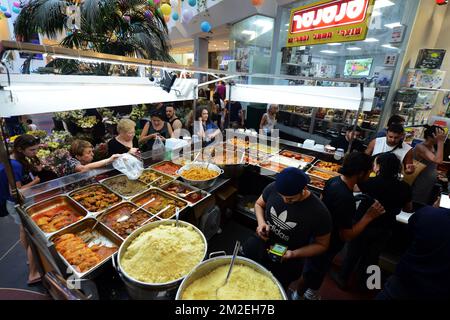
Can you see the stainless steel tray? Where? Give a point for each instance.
(138, 200)
(95, 185)
(101, 217)
(330, 173)
(177, 182)
(101, 235)
(154, 167)
(166, 178)
(61, 200)
(297, 156)
(316, 179)
(106, 182)
(320, 161)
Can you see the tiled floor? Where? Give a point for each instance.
(13, 267)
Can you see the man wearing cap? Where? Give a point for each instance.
(338, 198)
(290, 215)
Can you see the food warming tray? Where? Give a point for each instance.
(108, 181)
(96, 185)
(139, 200)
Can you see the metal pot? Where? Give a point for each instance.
(209, 265)
(139, 290)
(201, 184)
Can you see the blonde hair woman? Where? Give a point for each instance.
(126, 140)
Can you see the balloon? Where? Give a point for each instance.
(257, 2)
(159, 12)
(205, 26)
(127, 19)
(8, 15)
(187, 15)
(175, 16)
(148, 14)
(3, 8)
(16, 4)
(16, 10)
(192, 3)
(156, 1)
(166, 19)
(166, 9)
(174, 3)
(151, 3)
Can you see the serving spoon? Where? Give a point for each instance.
(233, 259)
(126, 217)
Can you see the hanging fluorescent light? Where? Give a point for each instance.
(353, 48)
(393, 25)
(371, 40)
(388, 46)
(334, 44)
(328, 51)
(383, 3)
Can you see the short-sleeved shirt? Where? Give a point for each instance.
(393, 195)
(425, 267)
(19, 176)
(115, 147)
(341, 204)
(296, 224)
(72, 163)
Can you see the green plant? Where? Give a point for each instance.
(120, 27)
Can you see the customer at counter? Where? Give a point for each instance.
(125, 141)
(395, 119)
(269, 119)
(174, 121)
(343, 141)
(338, 198)
(393, 142)
(82, 153)
(205, 128)
(394, 195)
(290, 215)
(423, 272)
(156, 127)
(430, 153)
(25, 149)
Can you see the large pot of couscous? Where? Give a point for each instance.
(248, 281)
(155, 258)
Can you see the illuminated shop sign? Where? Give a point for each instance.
(329, 21)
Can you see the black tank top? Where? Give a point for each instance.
(164, 132)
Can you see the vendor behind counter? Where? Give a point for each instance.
(343, 141)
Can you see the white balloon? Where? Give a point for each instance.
(187, 15)
(174, 3)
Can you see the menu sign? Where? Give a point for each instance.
(329, 21)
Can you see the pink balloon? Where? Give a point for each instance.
(156, 1)
(16, 4)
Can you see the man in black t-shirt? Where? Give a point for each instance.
(343, 141)
(290, 215)
(338, 197)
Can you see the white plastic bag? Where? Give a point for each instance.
(129, 165)
(158, 149)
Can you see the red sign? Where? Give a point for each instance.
(332, 14)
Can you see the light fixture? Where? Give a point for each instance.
(376, 13)
(383, 3)
(353, 48)
(334, 44)
(371, 40)
(393, 25)
(388, 46)
(328, 51)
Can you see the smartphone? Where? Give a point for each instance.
(445, 201)
(277, 251)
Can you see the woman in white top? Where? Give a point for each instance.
(393, 142)
(269, 119)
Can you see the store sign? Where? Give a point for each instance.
(329, 21)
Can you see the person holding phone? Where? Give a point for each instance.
(292, 221)
(154, 128)
(431, 154)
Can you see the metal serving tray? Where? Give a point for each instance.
(108, 181)
(54, 202)
(296, 156)
(315, 179)
(101, 217)
(320, 161)
(94, 213)
(164, 162)
(167, 177)
(177, 182)
(330, 173)
(162, 215)
(102, 235)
